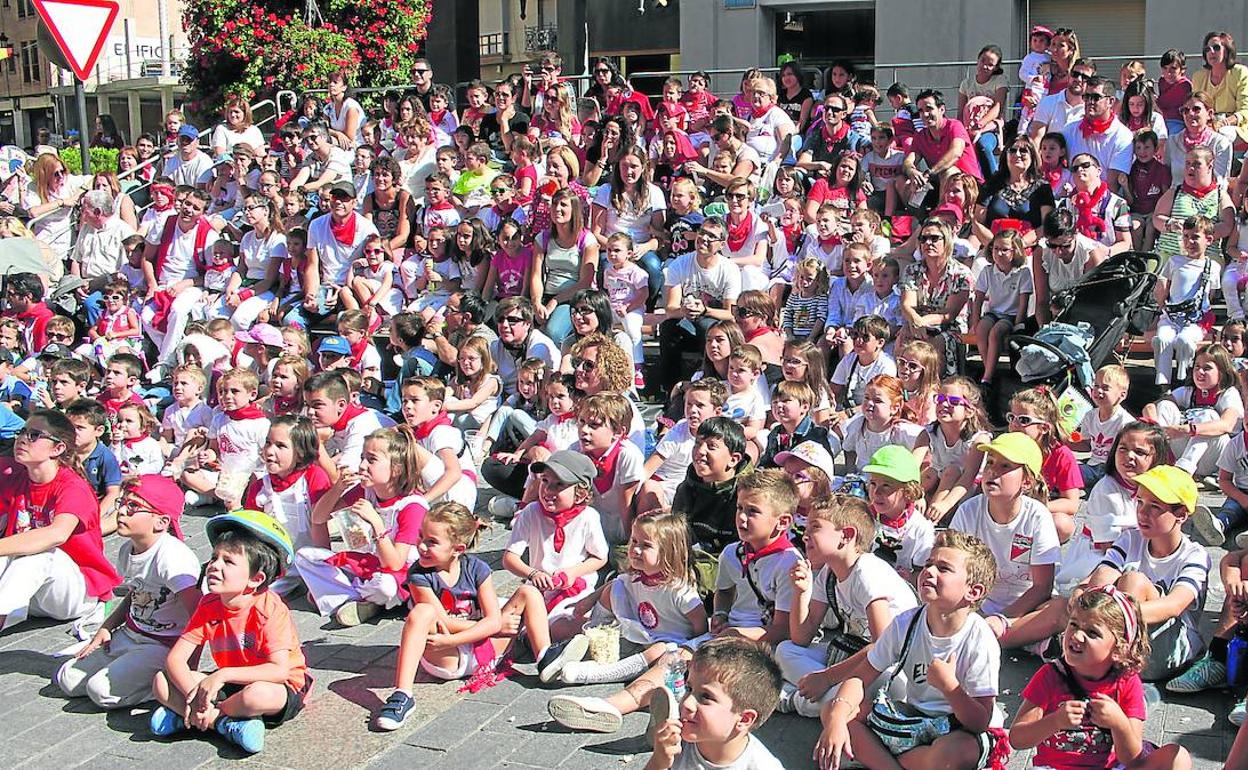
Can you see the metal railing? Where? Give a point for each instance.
(543, 38)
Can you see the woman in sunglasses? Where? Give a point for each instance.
(1225, 80)
(50, 199)
(934, 292)
(1199, 131)
(1100, 214)
(52, 561)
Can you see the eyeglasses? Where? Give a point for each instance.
(1095, 97)
(1081, 166)
(907, 364)
(794, 362)
(1193, 108)
(942, 398)
(582, 310)
(736, 196)
(583, 365)
(497, 191)
(32, 435)
(1025, 420)
(931, 238)
(513, 320)
(258, 206)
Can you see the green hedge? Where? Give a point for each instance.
(102, 159)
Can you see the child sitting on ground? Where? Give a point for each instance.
(865, 362)
(604, 420)
(903, 535)
(1100, 426)
(961, 424)
(422, 407)
(99, 464)
(161, 574)
(135, 444)
(258, 685)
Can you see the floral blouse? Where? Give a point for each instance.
(932, 298)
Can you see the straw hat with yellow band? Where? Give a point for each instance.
(1171, 485)
(1018, 448)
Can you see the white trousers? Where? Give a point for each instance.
(1175, 345)
(46, 584)
(331, 587)
(796, 662)
(118, 676)
(186, 306)
(1198, 455)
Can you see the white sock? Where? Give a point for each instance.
(541, 654)
(805, 707)
(588, 672)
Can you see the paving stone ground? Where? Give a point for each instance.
(502, 727)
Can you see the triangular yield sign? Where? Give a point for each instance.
(80, 28)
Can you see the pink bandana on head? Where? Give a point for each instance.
(1131, 621)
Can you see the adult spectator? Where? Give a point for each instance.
(237, 128)
(1226, 82)
(463, 317)
(1064, 55)
(770, 127)
(1100, 134)
(943, 145)
(24, 293)
(1099, 213)
(1059, 110)
(981, 105)
(422, 82)
(189, 166)
(549, 73)
(591, 314)
(700, 288)
(605, 73)
(747, 240)
(418, 158)
(388, 206)
(50, 198)
(842, 78)
(934, 293)
(12, 227)
(822, 147)
(336, 240)
(1198, 131)
(728, 135)
(99, 252)
(123, 207)
(260, 257)
(555, 122)
(794, 97)
(565, 261)
(1016, 196)
(632, 205)
(326, 164)
(1200, 193)
(600, 365)
(518, 340)
(615, 136)
(562, 170)
(1060, 260)
(505, 121)
(174, 260)
(106, 133)
(743, 100)
(345, 115)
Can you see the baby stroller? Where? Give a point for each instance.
(1112, 301)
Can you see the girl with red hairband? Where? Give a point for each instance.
(1088, 710)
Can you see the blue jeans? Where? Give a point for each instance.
(94, 305)
(1231, 514)
(653, 266)
(522, 422)
(1091, 474)
(1174, 127)
(986, 145)
(559, 324)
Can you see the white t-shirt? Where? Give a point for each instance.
(346, 446)
(1227, 399)
(256, 253)
(1103, 432)
(195, 172)
(676, 449)
(1186, 569)
(635, 223)
(181, 419)
(338, 163)
(1055, 113)
(855, 376)
(716, 285)
(1027, 540)
(943, 455)
(770, 575)
(755, 757)
(141, 457)
(653, 613)
(746, 406)
(1110, 510)
(912, 541)
(1063, 274)
(864, 442)
(222, 136)
(973, 649)
(629, 472)
(870, 579)
(763, 131)
(1184, 275)
(1001, 290)
(1234, 460)
(180, 261)
(506, 365)
(153, 580)
(1113, 148)
(336, 258)
(99, 251)
(238, 441)
(533, 531)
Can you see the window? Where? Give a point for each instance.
(24, 8)
(30, 62)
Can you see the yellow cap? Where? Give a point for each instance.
(1018, 448)
(1171, 485)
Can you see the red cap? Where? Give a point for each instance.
(1040, 29)
(950, 210)
(165, 497)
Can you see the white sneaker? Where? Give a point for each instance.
(1208, 528)
(1241, 540)
(1239, 713)
(552, 665)
(785, 704)
(591, 714)
(503, 507)
(662, 708)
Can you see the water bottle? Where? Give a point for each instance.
(652, 440)
(675, 669)
(1237, 658)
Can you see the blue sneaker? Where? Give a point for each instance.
(165, 722)
(247, 734)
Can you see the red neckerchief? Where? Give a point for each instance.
(436, 116)
(561, 519)
(249, 412)
(1199, 192)
(473, 115)
(792, 237)
(111, 405)
(1089, 127)
(283, 483)
(898, 522)
(357, 353)
(218, 268)
(286, 405)
(830, 243)
(1201, 397)
(443, 206)
(566, 417)
(350, 413)
(1135, 124)
(760, 331)
(830, 139)
(1088, 222)
(1201, 140)
(130, 442)
(1053, 174)
(606, 467)
(507, 210)
(749, 555)
(649, 580)
(238, 348)
(422, 431)
(758, 112)
(739, 233)
(344, 233)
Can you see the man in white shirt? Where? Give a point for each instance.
(99, 252)
(701, 288)
(173, 263)
(337, 239)
(326, 164)
(189, 166)
(1057, 111)
(1100, 134)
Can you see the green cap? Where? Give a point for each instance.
(894, 462)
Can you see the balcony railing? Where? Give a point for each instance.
(544, 38)
(495, 44)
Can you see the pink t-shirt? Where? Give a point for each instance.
(511, 271)
(1061, 471)
(622, 285)
(837, 196)
(1087, 746)
(931, 149)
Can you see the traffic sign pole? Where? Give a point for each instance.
(84, 142)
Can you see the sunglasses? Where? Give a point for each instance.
(513, 320)
(907, 364)
(1084, 165)
(583, 365)
(1084, 76)
(1213, 48)
(833, 109)
(1062, 246)
(497, 191)
(421, 71)
(743, 312)
(1019, 150)
(32, 435)
(736, 196)
(1193, 108)
(709, 237)
(582, 310)
(602, 71)
(1094, 97)
(1025, 420)
(374, 251)
(942, 398)
(931, 238)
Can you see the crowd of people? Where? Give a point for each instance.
(347, 329)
